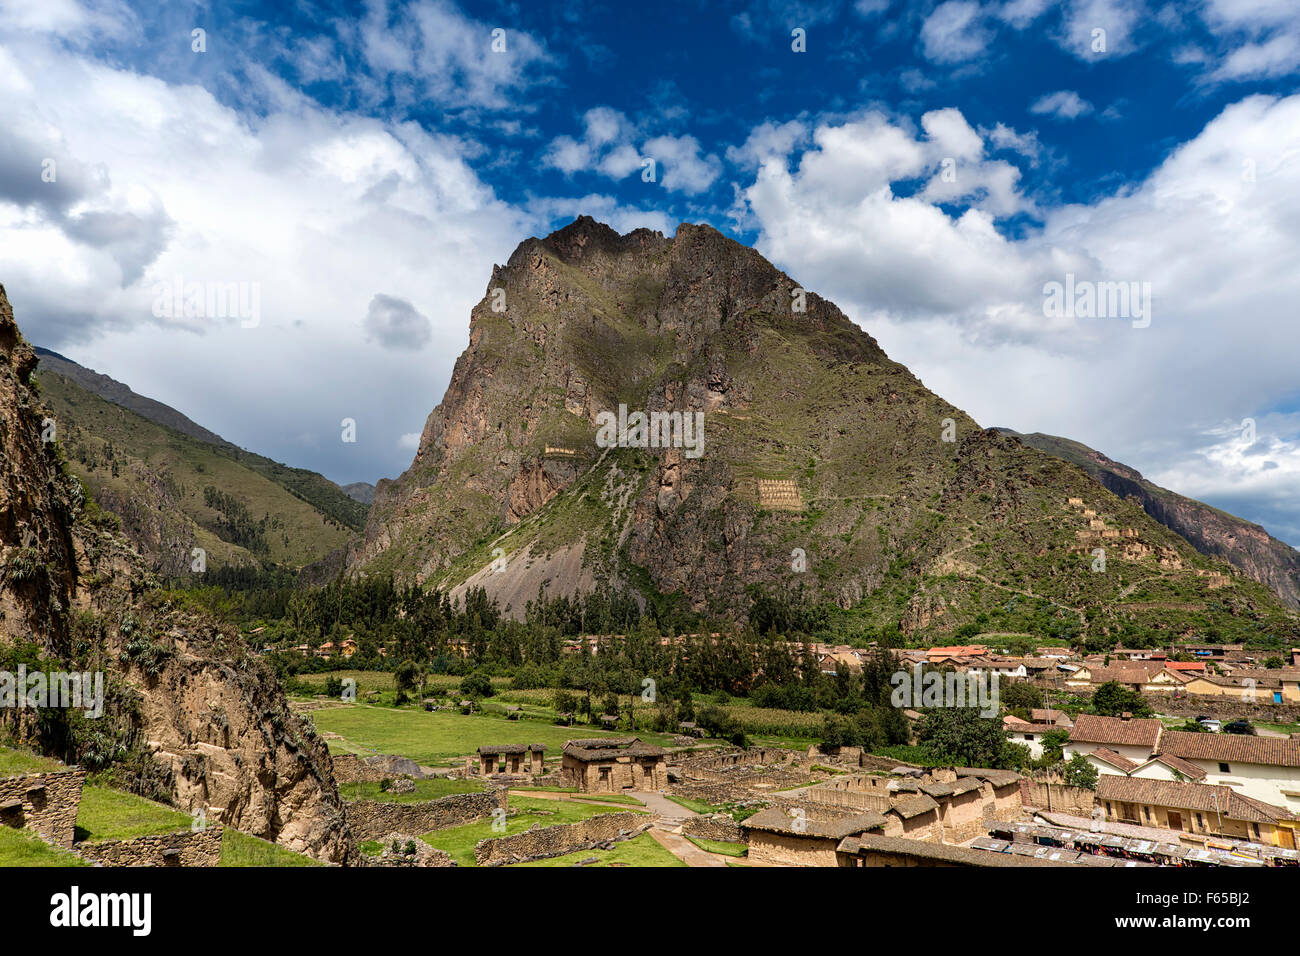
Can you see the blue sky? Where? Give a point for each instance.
(927, 166)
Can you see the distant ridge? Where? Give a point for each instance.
(114, 391)
(1246, 545)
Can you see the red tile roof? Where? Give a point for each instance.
(1232, 748)
(1135, 732)
(1115, 760)
(1189, 796)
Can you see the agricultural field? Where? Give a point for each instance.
(431, 738)
(766, 726)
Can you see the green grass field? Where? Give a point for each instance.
(460, 841)
(241, 849)
(642, 850)
(696, 806)
(425, 790)
(610, 798)
(437, 737)
(112, 815)
(23, 848)
(21, 761)
(725, 847)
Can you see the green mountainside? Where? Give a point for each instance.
(1250, 548)
(174, 492)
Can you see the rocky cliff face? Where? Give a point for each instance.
(1247, 546)
(188, 711)
(825, 468)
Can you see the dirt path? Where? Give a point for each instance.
(685, 850)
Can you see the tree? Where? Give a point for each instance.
(1018, 695)
(960, 736)
(1112, 699)
(1054, 742)
(405, 678)
(1080, 773)
(476, 685)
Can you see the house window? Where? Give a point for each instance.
(1029, 736)
(1223, 768)
(1199, 821)
(1254, 830)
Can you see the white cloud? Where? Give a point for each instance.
(77, 21)
(767, 141)
(164, 181)
(1099, 29)
(955, 31)
(1279, 55)
(608, 148)
(1002, 136)
(1063, 104)
(1020, 13)
(1213, 229)
(454, 60)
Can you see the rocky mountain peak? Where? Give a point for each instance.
(825, 469)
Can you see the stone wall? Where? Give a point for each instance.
(883, 764)
(185, 848)
(717, 826)
(44, 802)
(785, 849)
(349, 768)
(749, 757)
(423, 855)
(1063, 799)
(1228, 707)
(540, 843)
(373, 819)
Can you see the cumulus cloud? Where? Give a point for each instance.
(607, 147)
(1063, 104)
(955, 31)
(158, 181)
(396, 324)
(1100, 29)
(1213, 229)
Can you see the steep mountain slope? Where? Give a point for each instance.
(511, 490)
(1250, 548)
(318, 491)
(174, 492)
(189, 714)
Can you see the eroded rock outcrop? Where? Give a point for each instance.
(190, 714)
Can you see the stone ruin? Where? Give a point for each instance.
(47, 804)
